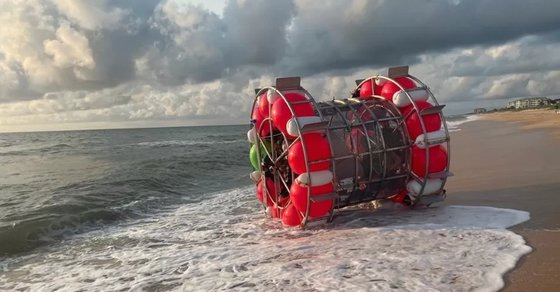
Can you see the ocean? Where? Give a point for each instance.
(173, 209)
(58, 183)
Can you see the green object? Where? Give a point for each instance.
(253, 157)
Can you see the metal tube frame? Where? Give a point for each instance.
(352, 105)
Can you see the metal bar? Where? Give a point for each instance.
(441, 174)
(356, 158)
(432, 110)
(385, 179)
(314, 127)
(322, 198)
(436, 141)
(285, 152)
(420, 88)
(299, 102)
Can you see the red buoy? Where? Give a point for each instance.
(280, 113)
(291, 216)
(369, 88)
(271, 191)
(263, 105)
(400, 197)
(317, 149)
(432, 122)
(277, 212)
(389, 88)
(265, 130)
(298, 194)
(438, 160)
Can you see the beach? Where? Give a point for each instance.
(511, 160)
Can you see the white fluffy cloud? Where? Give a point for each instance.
(166, 61)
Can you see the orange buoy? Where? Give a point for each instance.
(291, 216)
(281, 114)
(369, 88)
(389, 88)
(317, 149)
(432, 122)
(271, 199)
(298, 194)
(437, 162)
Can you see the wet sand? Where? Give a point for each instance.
(512, 160)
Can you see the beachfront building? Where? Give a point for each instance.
(532, 102)
(480, 110)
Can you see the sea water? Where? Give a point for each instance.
(174, 209)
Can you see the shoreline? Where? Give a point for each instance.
(517, 162)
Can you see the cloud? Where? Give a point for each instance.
(77, 61)
(91, 15)
(69, 49)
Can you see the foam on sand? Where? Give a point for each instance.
(224, 242)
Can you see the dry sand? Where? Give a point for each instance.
(530, 119)
(512, 160)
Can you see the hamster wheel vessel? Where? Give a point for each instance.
(388, 140)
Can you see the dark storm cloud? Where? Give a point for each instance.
(171, 43)
(70, 58)
(339, 34)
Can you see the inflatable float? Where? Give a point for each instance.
(387, 141)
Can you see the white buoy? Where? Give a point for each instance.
(255, 176)
(400, 99)
(252, 136)
(317, 178)
(430, 137)
(432, 186)
(292, 127)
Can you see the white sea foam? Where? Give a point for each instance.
(224, 243)
(453, 126)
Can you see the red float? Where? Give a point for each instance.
(271, 191)
(317, 149)
(389, 88)
(298, 194)
(291, 216)
(432, 122)
(438, 160)
(400, 197)
(265, 130)
(281, 112)
(263, 105)
(277, 212)
(366, 89)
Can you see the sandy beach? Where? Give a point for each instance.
(511, 160)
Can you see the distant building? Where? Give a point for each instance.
(532, 102)
(480, 110)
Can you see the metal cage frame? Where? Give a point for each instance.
(293, 84)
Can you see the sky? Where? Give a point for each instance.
(78, 64)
